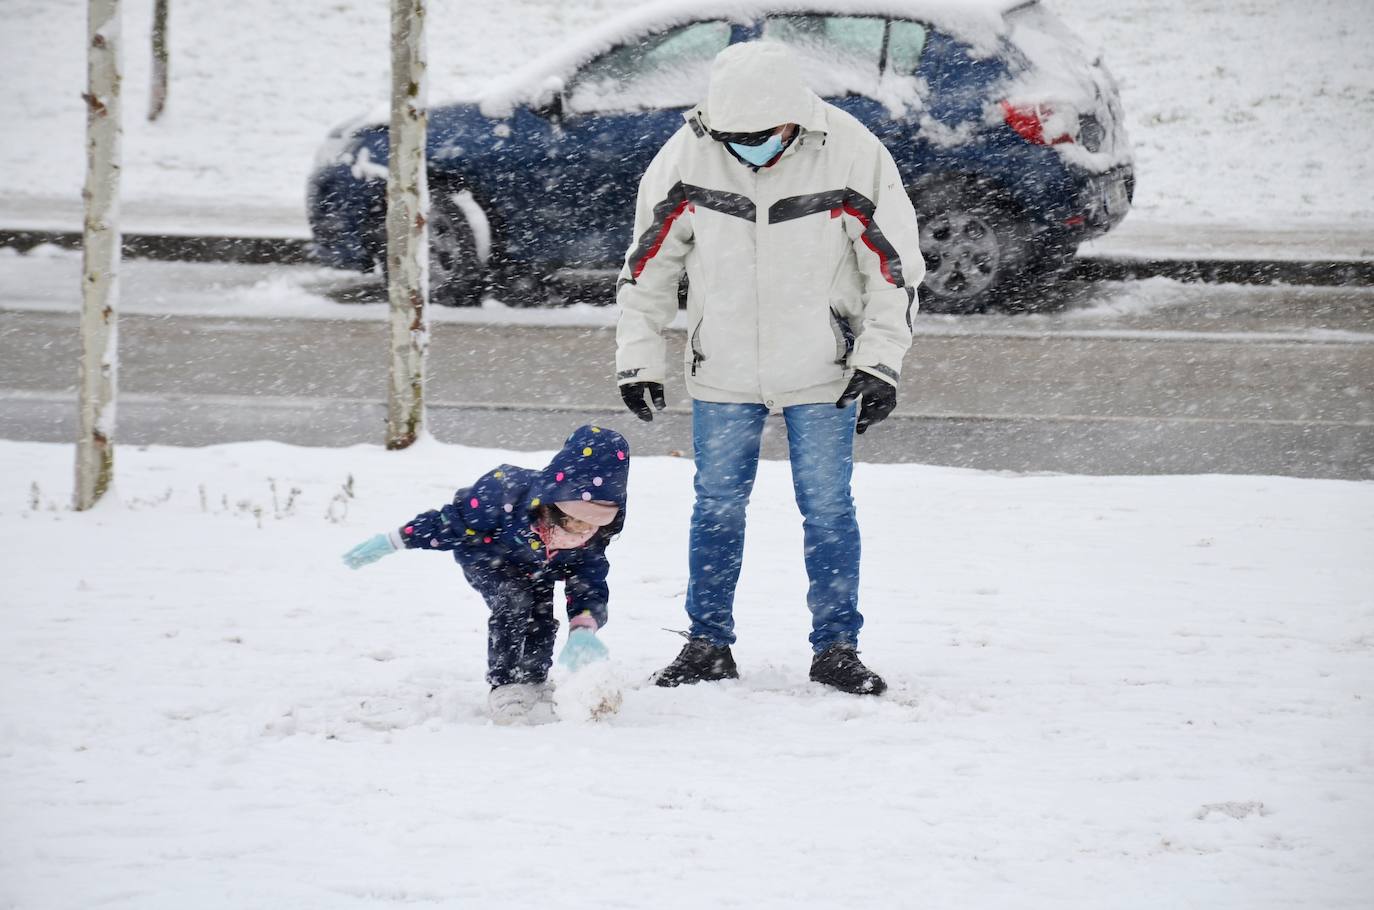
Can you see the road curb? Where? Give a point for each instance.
(1325, 273)
(293, 251)
(177, 247)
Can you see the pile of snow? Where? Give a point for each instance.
(1125, 692)
(1243, 113)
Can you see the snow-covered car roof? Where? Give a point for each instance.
(979, 23)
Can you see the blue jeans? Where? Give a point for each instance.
(820, 441)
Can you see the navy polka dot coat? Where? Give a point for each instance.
(488, 529)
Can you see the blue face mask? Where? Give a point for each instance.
(759, 155)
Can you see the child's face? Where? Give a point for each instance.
(576, 525)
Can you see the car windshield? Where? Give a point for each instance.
(1043, 39)
(666, 70)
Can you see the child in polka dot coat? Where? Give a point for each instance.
(515, 532)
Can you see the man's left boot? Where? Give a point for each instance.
(839, 666)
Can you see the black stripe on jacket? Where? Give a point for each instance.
(855, 204)
(670, 208)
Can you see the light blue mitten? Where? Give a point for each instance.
(582, 648)
(370, 550)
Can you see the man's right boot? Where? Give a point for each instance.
(698, 661)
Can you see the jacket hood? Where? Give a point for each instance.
(594, 464)
(756, 86)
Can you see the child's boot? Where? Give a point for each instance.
(522, 704)
(542, 711)
(510, 704)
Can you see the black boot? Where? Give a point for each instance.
(698, 661)
(839, 666)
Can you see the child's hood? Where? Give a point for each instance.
(594, 464)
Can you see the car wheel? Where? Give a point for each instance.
(456, 274)
(974, 248)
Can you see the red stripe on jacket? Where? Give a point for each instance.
(882, 260)
(658, 241)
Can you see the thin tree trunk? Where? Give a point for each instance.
(157, 93)
(100, 258)
(407, 239)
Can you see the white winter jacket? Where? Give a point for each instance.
(798, 273)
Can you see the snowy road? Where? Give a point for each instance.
(1135, 377)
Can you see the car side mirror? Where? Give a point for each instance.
(549, 101)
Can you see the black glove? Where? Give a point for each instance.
(879, 398)
(633, 393)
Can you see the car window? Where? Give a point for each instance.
(905, 41)
(838, 54)
(668, 69)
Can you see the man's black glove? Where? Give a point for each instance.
(633, 393)
(879, 398)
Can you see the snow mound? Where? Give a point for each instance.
(591, 694)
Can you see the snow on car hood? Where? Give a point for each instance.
(977, 23)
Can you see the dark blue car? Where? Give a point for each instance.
(1008, 133)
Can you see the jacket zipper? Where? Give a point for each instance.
(697, 355)
(844, 338)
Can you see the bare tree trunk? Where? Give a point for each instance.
(407, 239)
(157, 99)
(100, 258)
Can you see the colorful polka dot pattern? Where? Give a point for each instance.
(596, 448)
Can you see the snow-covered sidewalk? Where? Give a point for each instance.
(1107, 692)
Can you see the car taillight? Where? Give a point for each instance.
(1029, 122)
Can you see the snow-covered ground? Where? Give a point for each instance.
(1256, 115)
(1107, 692)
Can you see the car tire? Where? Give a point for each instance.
(976, 249)
(1038, 288)
(456, 275)
(522, 289)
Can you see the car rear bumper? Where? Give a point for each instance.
(1103, 201)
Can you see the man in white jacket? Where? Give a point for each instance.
(800, 248)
